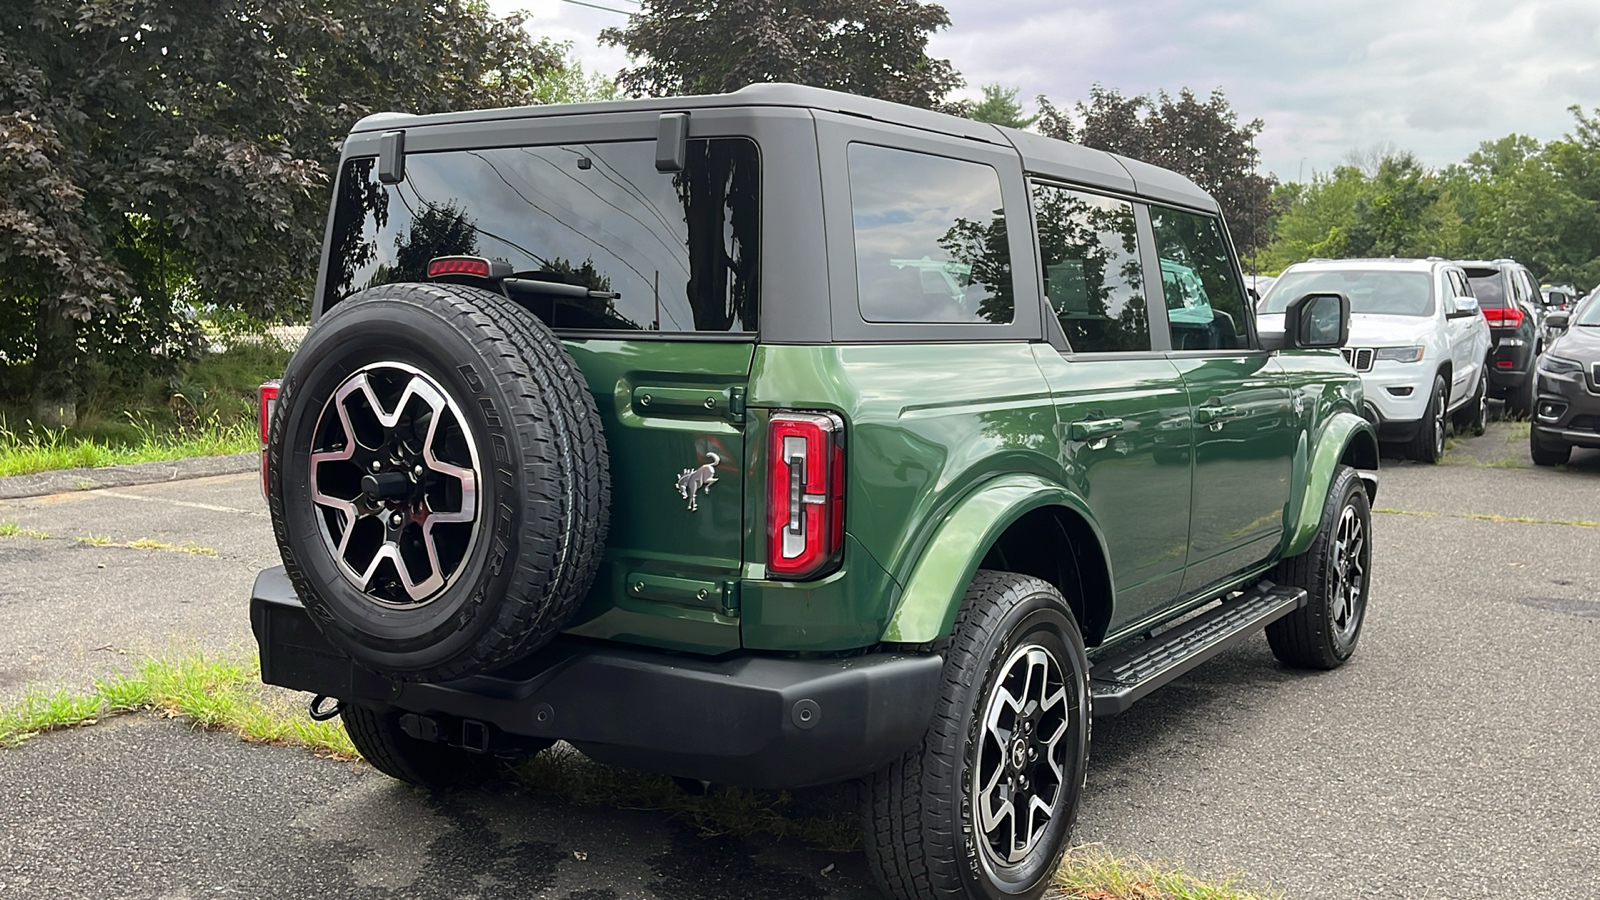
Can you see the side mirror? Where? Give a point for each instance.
(1318, 321)
(1558, 320)
(1462, 307)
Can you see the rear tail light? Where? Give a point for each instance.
(1509, 317)
(267, 394)
(805, 494)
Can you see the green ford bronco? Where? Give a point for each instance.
(783, 438)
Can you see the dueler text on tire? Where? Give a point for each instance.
(984, 806)
(438, 480)
(1336, 572)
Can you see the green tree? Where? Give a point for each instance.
(875, 48)
(155, 143)
(1202, 140)
(999, 106)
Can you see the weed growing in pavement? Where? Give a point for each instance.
(12, 529)
(1519, 432)
(1090, 873)
(98, 540)
(152, 544)
(214, 693)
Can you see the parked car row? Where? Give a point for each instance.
(1434, 339)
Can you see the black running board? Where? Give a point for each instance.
(1119, 680)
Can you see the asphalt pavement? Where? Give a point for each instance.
(1453, 757)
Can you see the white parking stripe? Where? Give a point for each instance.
(188, 503)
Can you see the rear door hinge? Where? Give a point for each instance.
(736, 404)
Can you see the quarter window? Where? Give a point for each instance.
(1205, 302)
(930, 235)
(1089, 248)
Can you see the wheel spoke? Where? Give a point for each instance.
(1016, 793)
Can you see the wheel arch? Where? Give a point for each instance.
(1015, 523)
(1345, 439)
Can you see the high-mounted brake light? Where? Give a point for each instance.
(458, 265)
(267, 394)
(805, 494)
(1508, 317)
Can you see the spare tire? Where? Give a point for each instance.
(438, 480)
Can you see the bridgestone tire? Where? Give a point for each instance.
(501, 401)
(924, 836)
(382, 743)
(1323, 633)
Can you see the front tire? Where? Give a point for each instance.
(1428, 445)
(984, 807)
(1336, 574)
(1547, 453)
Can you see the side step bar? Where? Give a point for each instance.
(1119, 680)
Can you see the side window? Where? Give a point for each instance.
(1205, 302)
(931, 241)
(1089, 248)
(1458, 285)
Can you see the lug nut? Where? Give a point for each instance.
(417, 471)
(395, 520)
(376, 465)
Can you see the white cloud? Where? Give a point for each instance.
(1435, 77)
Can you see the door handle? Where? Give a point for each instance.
(1207, 415)
(1095, 429)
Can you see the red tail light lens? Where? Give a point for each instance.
(805, 494)
(1509, 317)
(267, 394)
(458, 265)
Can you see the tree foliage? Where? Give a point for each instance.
(162, 147)
(999, 106)
(874, 48)
(1202, 140)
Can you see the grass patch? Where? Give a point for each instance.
(12, 529)
(1490, 517)
(217, 694)
(208, 410)
(564, 774)
(152, 544)
(1089, 873)
(1519, 432)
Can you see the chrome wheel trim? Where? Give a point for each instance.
(1020, 775)
(1350, 560)
(412, 520)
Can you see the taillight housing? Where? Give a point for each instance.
(805, 494)
(1507, 317)
(267, 395)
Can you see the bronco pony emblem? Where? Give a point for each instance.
(692, 481)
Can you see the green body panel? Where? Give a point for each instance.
(665, 405)
(1243, 465)
(1331, 397)
(932, 596)
(843, 611)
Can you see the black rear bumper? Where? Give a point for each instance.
(747, 719)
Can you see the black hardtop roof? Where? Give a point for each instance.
(1040, 155)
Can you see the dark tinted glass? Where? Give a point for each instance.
(1205, 303)
(931, 242)
(679, 251)
(1488, 287)
(1370, 291)
(1089, 247)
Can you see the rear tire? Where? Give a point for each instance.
(381, 742)
(1335, 572)
(941, 821)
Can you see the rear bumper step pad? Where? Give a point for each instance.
(1119, 680)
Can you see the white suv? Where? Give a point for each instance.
(1416, 337)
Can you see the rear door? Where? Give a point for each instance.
(651, 279)
(1121, 408)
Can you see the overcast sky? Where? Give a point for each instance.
(1435, 77)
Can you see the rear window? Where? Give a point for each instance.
(1371, 291)
(663, 251)
(931, 242)
(1488, 287)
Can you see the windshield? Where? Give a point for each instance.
(1384, 292)
(1588, 314)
